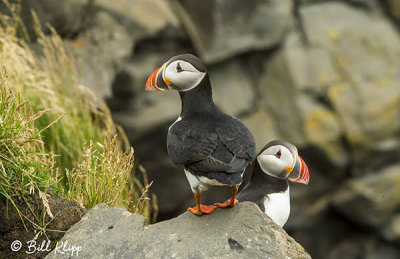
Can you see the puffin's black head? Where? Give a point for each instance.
(280, 159)
(181, 73)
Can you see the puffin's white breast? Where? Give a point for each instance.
(277, 207)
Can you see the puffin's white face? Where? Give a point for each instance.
(277, 161)
(182, 76)
(181, 73)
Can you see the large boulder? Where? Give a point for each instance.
(68, 17)
(299, 117)
(335, 87)
(391, 231)
(262, 126)
(372, 200)
(364, 51)
(112, 33)
(234, 27)
(394, 9)
(99, 50)
(234, 94)
(240, 232)
(142, 19)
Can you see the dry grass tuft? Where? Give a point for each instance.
(101, 174)
(44, 112)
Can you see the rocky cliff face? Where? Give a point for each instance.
(240, 232)
(321, 74)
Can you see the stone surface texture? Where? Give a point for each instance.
(240, 232)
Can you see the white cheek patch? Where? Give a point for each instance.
(270, 164)
(287, 157)
(186, 80)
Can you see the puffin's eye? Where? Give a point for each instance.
(278, 154)
(179, 68)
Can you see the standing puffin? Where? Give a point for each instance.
(212, 147)
(277, 162)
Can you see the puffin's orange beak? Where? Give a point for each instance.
(302, 175)
(156, 82)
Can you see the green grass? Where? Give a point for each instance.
(95, 178)
(56, 133)
(24, 166)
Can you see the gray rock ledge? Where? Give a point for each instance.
(240, 232)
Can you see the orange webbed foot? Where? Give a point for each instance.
(204, 209)
(228, 203)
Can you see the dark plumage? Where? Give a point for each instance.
(276, 163)
(260, 186)
(206, 141)
(212, 146)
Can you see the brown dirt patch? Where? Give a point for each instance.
(66, 213)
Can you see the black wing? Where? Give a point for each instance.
(252, 192)
(228, 147)
(189, 144)
(237, 138)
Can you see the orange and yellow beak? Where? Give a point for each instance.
(156, 81)
(300, 172)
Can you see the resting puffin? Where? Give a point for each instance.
(277, 162)
(212, 147)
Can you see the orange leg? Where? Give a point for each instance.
(200, 209)
(232, 201)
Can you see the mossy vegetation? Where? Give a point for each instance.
(54, 133)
